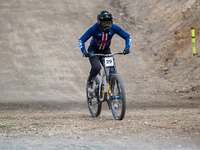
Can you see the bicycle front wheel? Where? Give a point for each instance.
(94, 104)
(118, 104)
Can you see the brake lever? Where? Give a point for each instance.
(92, 55)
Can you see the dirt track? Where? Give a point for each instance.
(43, 75)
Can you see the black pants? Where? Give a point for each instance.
(95, 62)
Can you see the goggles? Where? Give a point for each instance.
(106, 23)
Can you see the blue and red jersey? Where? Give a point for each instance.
(101, 40)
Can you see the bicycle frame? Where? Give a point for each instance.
(106, 71)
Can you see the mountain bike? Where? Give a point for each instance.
(108, 88)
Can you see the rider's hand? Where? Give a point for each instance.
(126, 51)
(86, 54)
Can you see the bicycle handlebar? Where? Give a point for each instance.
(107, 55)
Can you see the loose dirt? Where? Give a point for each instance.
(43, 76)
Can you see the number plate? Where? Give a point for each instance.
(109, 62)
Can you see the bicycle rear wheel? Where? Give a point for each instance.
(118, 104)
(94, 104)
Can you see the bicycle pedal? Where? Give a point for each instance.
(89, 101)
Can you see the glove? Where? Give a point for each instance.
(126, 51)
(86, 54)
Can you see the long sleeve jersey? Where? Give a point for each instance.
(102, 40)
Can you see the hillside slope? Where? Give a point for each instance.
(39, 49)
(161, 34)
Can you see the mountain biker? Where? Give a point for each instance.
(101, 32)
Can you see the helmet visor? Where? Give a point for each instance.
(106, 23)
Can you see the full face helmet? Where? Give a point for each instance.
(105, 20)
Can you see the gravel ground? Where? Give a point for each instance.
(162, 124)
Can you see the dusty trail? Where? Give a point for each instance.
(43, 75)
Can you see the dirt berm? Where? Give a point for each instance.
(43, 75)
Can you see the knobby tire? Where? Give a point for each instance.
(94, 105)
(118, 106)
